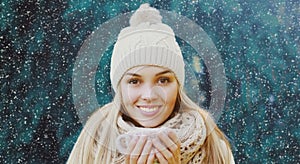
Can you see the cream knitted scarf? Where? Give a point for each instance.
(189, 127)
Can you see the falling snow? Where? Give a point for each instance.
(258, 43)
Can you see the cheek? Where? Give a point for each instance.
(128, 95)
(171, 95)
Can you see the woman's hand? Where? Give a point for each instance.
(140, 151)
(167, 147)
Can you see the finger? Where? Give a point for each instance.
(174, 137)
(171, 145)
(134, 155)
(163, 150)
(139, 145)
(130, 148)
(161, 158)
(176, 151)
(132, 144)
(151, 157)
(145, 153)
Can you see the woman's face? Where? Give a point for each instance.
(149, 94)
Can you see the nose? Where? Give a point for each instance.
(148, 93)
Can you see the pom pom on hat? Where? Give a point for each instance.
(147, 41)
(145, 14)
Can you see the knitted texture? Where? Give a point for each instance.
(190, 129)
(147, 41)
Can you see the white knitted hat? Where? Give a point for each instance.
(147, 41)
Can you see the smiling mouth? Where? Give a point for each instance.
(148, 108)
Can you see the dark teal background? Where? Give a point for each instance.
(258, 42)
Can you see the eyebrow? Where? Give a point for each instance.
(133, 74)
(160, 73)
(163, 72)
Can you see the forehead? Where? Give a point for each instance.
(147, 69)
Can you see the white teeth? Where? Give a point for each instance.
(148, 109)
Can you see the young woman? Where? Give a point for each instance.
(147, 74)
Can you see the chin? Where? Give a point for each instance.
(149, 124)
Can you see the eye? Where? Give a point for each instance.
(163, 80)
(134, 81)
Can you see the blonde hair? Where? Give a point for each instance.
(93, 147)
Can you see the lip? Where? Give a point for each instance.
(149, 110)
(148, 106)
